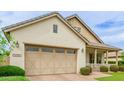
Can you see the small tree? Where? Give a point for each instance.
(122, 55)
(122, 59)
(7, 44)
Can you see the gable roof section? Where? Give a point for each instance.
(49, 15)
(85, 25)
(40, 18)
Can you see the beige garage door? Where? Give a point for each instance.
(49, 60)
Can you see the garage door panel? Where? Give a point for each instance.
(44, 60)
(71, 63)
(32, 63)
(47, 60)
(60, 70)
(71, 60)
(59, 60)
(47, 71)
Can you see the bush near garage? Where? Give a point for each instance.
(85, 71)
(90, 68)
(103, 69)
(11, 71)
(114, 68)
(121, 68)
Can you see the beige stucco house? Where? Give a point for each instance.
(51, 44)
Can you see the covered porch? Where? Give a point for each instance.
(97, 54)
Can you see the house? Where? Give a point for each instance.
(112, 56)
(51, 44)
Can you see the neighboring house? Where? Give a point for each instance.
(112, 56)
(51, 44)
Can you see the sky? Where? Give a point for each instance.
(108, 25)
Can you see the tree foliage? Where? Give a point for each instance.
(122, 55)
(7, 44)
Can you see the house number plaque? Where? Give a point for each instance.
(16, 55)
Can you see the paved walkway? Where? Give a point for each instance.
(68, 77)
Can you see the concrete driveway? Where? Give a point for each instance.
(68, 77)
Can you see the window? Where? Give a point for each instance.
(78, 29)
(59, 50)
(71, 51)
(32, 49)
(91, 58)
(99, 58)
(46, 49)
(55, 28)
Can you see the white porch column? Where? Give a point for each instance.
(116, 57)
(95, 57)
(103, 61)
(107, 57)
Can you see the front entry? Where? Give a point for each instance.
(49, 60)
(91, 58)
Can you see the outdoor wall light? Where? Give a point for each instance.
(17, 44)
(82, 50)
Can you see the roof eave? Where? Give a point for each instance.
(106, 48)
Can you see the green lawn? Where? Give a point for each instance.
(14, 78)
(117, 76)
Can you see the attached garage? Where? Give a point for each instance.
(48, 45)
(49, 60)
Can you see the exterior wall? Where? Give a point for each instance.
(75, 23)
(41, 33)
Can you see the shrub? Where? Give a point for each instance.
(114, 68)
(103, 69)
(11, 71)
(111, 62)
(85, 70)
(121, 68)
(121, 63)
(90, 68)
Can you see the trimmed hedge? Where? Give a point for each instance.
(11, 71)
(111, 62)
(114, 68)
(103, 69)
(90, 68)
(120, 63)
(121, 68)
(85, 71)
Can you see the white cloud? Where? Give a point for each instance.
(114, 38)
(8, 18)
